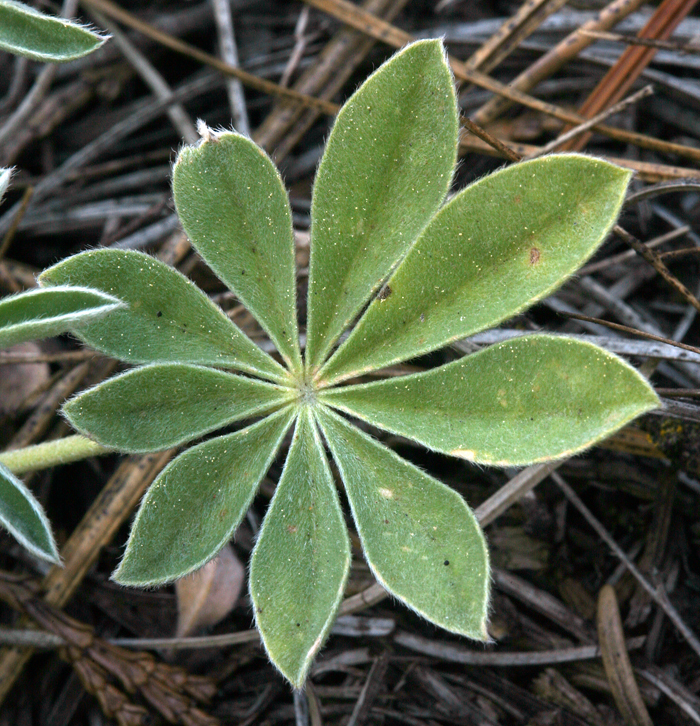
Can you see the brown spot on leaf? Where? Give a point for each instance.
(534, 256)
(384, 293)
(291, 529)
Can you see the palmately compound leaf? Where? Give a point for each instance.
(168, 318)
(385, 171)
(195, 505)
(166, 404)
(25, 31)
(526, 400)
(24, 518)
(419, 537)
(494, 250)
(301, 561)
(43, 313)
(234, 208)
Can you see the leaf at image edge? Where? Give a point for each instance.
(420, 538)
(39, 37)
(496, 248)
(193, 522)
(23, 516)
(43, 313)
(5, 177)
(527, 400)
(301, 561)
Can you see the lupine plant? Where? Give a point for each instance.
(403, 273)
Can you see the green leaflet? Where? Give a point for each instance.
(163, 405)
(386, 169)
(530, 399)
(195, 505)
(498, 247)
(25, 31)
(42, 313)
(168, 317)
(234, 208)
(420, 539)
(302, 559)
(24, 518)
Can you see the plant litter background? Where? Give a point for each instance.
(93, 141)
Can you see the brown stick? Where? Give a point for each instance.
(554, 59)
(387, 33)
(112, 10)
(655, 261)
(629, 66)
(645, 170)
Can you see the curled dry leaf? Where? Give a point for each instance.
(20, 380)
(208, 595)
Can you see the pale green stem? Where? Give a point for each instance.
(51, 453)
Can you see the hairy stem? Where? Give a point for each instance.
(51, 453)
